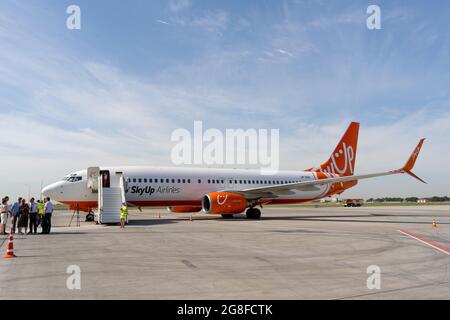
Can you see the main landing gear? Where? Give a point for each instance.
(253, 213)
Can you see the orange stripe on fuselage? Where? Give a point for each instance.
(88, 206)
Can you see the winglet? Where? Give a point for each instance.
(412, 160)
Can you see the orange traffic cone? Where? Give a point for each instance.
(434, 224)
(10, 248)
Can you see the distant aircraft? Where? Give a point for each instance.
(220, 191)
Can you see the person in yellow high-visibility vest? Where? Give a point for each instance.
(123, 215)
(40, 212)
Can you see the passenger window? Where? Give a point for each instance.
(240, 181)
(222, 181)
(145, 180)
(150, 180)
(134, 180)
(178, 180)
(189, 180)
(167, 180)
(184, 180)
(173, 180)
(199, 181)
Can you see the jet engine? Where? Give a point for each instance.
(224, 203)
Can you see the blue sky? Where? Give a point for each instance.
(112, 92)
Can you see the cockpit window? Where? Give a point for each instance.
(72, 178)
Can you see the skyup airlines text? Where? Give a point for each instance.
(150, 190)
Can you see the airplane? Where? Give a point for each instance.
(224, 192)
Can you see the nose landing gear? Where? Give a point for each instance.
(90, 217)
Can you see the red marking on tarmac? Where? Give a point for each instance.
(430, 243)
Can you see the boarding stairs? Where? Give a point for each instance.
(110, 199)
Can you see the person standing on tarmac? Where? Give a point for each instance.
(15, 214)
(4, 212)
(40, 212)
(123, 215)
(48, 211)
(33, 216)
(24, 211)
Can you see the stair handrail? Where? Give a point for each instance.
(122, 189)
(100, 194)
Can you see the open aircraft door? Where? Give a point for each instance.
(92, 178)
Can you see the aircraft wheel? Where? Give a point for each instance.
(253, 213)
(89, 217)
(227, 216)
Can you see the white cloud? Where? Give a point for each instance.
(212, 21)
(178, 5)
(162, 22)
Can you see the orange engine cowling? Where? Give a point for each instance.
(184, 209)
(224, 203)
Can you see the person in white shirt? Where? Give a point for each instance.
(48, 210)
(4, 212)
(33, 216)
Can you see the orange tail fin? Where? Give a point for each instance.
(342, 160)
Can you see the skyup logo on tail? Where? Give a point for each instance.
(342, 160)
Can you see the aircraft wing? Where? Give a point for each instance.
(285, 189)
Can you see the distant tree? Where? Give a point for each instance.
(438, 199)
(409, 199)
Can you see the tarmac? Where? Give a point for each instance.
(290, 253)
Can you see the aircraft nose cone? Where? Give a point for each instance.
(46, 191)
(51, 190)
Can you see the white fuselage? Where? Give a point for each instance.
(168, 186)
